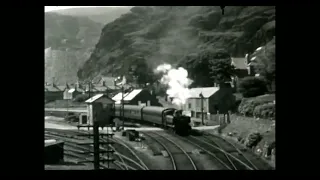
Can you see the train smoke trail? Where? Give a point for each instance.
(177, 81)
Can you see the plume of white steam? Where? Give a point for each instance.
(177, 81)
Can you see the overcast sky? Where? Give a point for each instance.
(52, 8)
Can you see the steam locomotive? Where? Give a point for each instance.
(157, 116)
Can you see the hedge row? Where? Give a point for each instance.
(264, 111)
(261, 106)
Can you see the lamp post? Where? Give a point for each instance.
(122, 102)
(202, 118)
(89, 87)
(122, 99)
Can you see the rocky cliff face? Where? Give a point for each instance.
(102, 15)
(70, 32)
(172, 34)
(68, 42)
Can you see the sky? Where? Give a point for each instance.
(52, 8)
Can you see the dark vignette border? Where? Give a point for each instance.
(24, 142)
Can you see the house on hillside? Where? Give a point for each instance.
(71, 92)
(141, 97)
(53, 92)
(104, 85)
(214, 99)
(94, 89)
(103, 81)
(243, 68)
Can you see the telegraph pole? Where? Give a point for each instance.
(202, 118)
(96, 146)
(89, 89)
(122, 104)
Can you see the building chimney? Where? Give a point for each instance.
(103, 83)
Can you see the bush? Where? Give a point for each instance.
(81, 97)
(253, 139)
(248, 106)
(252, 86)
(265, 110)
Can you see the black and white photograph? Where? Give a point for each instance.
(159, 88)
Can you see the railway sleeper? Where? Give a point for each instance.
(176, 153)
(74, 150)
(73, 161)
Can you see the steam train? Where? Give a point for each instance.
(157, 116)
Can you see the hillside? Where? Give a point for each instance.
(102, 15)
(68, 43)
(70, 32)
(148, 36)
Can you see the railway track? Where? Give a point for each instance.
(71, 139)
(251, 159)
(79, 154)
(130, 154)
(219, 142)
(180, 159)
(221, 153)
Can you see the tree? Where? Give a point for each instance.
(252, 86)
(198, 68)
(221, 70)
(142, 72)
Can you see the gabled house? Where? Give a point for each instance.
(93, 89)
(213, 99)
(53, 92)
(103, 81)
(71, 92)
(141, 97)
(104, 85)
(243, 68)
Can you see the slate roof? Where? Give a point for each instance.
(96, 97)
(127, 96)
(51, 88)
(206, 92)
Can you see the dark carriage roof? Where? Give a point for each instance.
(156, 109)
(131, 107)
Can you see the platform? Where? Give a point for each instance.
(206, 127)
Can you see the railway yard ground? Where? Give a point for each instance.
(241, 128)
(158, 150)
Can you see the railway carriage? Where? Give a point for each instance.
(153, 114)
(158, 116)
(132, 112)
